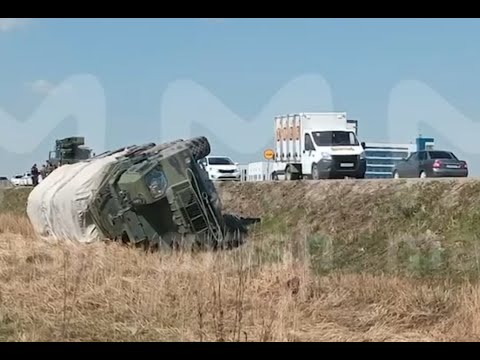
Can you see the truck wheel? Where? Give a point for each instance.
(315, 173)
(160, 147)
(289, 175)
(199, 146)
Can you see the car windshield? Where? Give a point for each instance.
(334, 138)
(220, 161)
(441, 155)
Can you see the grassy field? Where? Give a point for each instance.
(385, 261)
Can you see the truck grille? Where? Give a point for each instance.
(226, 171)
(345, 162)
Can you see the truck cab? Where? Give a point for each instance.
(333, 154)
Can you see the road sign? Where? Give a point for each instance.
(269, 154)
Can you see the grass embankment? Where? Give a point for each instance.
(415, 228)
(319, 268)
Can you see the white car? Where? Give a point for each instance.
(220, 168)
(22, 180)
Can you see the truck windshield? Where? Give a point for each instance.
(334, 138)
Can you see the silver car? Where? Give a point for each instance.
(431, 163)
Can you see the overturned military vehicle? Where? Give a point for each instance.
(150, 195)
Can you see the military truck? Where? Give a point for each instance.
(149, 195)
(69, 151)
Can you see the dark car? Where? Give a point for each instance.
(431, 163)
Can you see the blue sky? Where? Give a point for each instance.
(243, 63)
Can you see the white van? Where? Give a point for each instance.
(317, 146)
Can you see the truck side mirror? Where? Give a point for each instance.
(363, 144)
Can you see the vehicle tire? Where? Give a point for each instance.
(315, 173)
(423, 175)
(157, 148)
(396, 175)
(199, 146)
(135, 150)
(289, 175)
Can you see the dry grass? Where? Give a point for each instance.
(105, 292)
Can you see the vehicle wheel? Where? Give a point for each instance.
(156, 148)
(423, 175)
(289, 175)
(199, 146)
(396, 175)
(315, 173)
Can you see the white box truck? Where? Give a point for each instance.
(317, 146)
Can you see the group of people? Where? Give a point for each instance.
(38, 175)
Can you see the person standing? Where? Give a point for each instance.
(34, 172)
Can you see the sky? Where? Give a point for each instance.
(130, 81)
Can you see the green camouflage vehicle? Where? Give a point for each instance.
(69, 151)
(150, 195)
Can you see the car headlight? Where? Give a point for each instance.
(363, 156)
(326, 156)
(156, 182)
